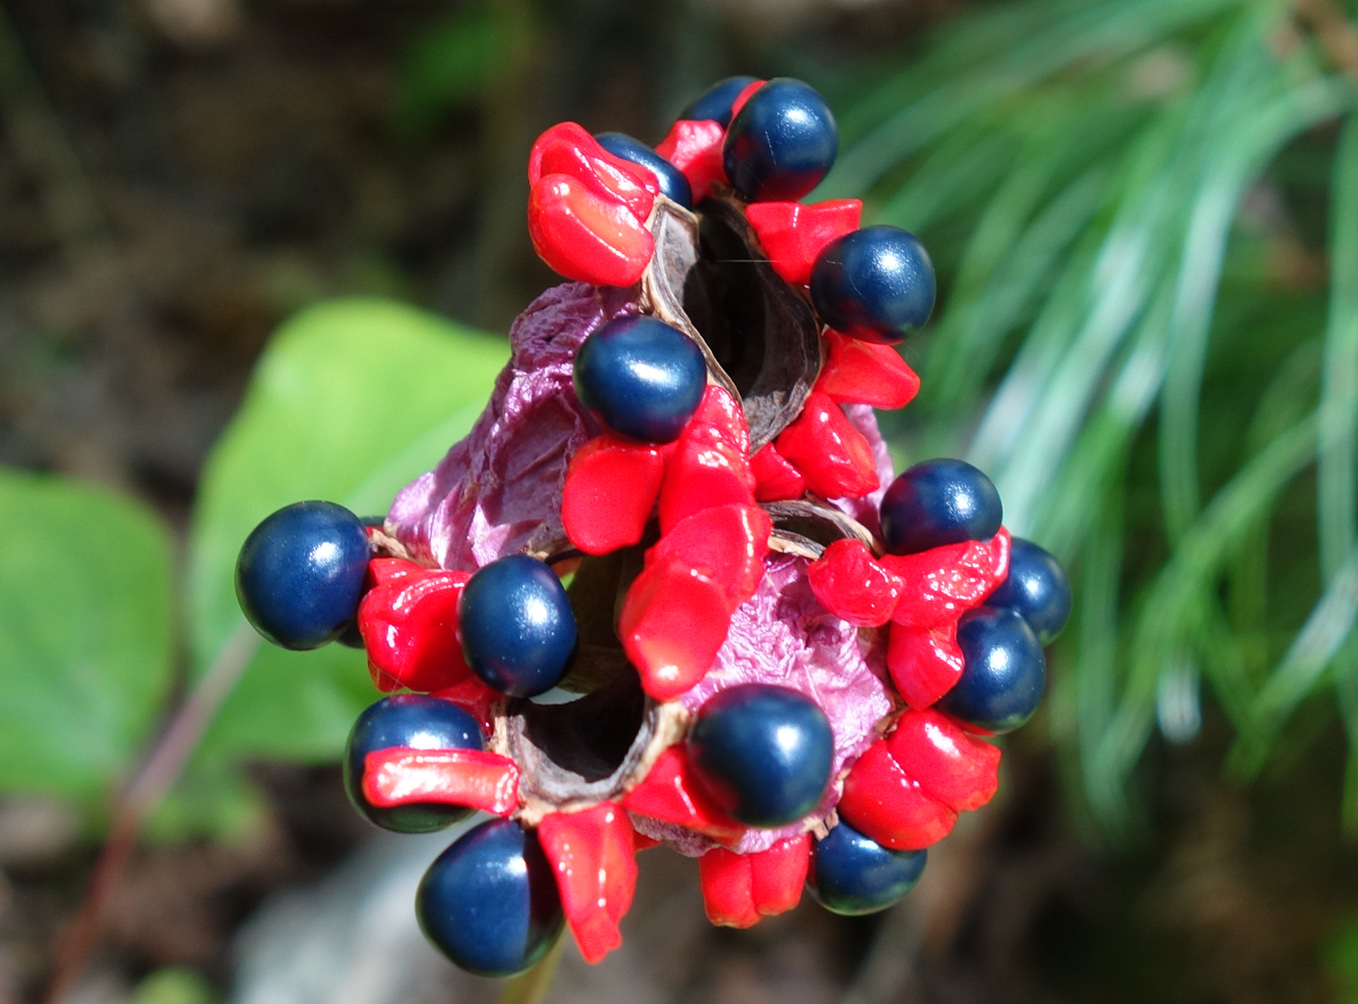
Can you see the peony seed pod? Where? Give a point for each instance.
(738, 661)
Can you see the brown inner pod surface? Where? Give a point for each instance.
(575, 754)
(760, 336)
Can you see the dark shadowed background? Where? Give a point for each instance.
(1145, 218)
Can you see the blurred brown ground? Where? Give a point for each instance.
(177, 176)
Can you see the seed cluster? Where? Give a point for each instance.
(688, 603)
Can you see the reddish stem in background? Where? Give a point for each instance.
(147, 789)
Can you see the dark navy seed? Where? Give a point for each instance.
(490, 902)
(763, 753)
(300, 573)
(1003, 672)
(642, 377)
(673, 184)
(1037, 589)
(876, 284)
(852, 874)
(939, 502)
(714, 104)
(781, 143)
(518, 630)
(415, 721)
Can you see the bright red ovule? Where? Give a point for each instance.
(695, 148)
(704, 471)
(793, 234)
(852, 584)
(611, 487)
(924, 662)
(943, 583)
(740, 890)
(408, 621)
(670, 794)
(593, 854)
(673, 621)
(477, 778)
(859, 372)
(834, 457)
(586, 237)
(725, 543)
(776, 480)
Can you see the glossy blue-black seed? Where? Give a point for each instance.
(939, 502)
(875, 284)
(490, 902)
(673, 185)
(300, 573)
(416, 721)
(1003, 672)
(763, 752)
(714, 104)
(1036, 588)
(852, 874)
(781, 143)
(643, 377)
(518, 630)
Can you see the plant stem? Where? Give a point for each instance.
(148, 788)
(532, 986)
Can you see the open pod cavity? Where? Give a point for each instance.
(761, 339)
(587, 749)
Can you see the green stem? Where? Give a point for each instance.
(532, 986)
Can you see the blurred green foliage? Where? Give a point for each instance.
(351, 400)
(1127, 200)
(85, 634)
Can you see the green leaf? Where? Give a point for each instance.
(1338, 470)
(351, 401)
(85, 634)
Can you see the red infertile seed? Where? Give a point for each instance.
(695, 148)
(776, 480)
(593, 854)
(740, 890)
(943, 583)
(673, 622)
(476, 778)
(924, 663)
(568, 149)
(960, 771)
(475, 698)
(668, 793)
(719, 413)
(859, 372)
(408, 621)
(582, 236)
(611, 487)
(851, 584)
(834, 457)
(881, 801)
(726, 543)
(792, 235)
(702, 473)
